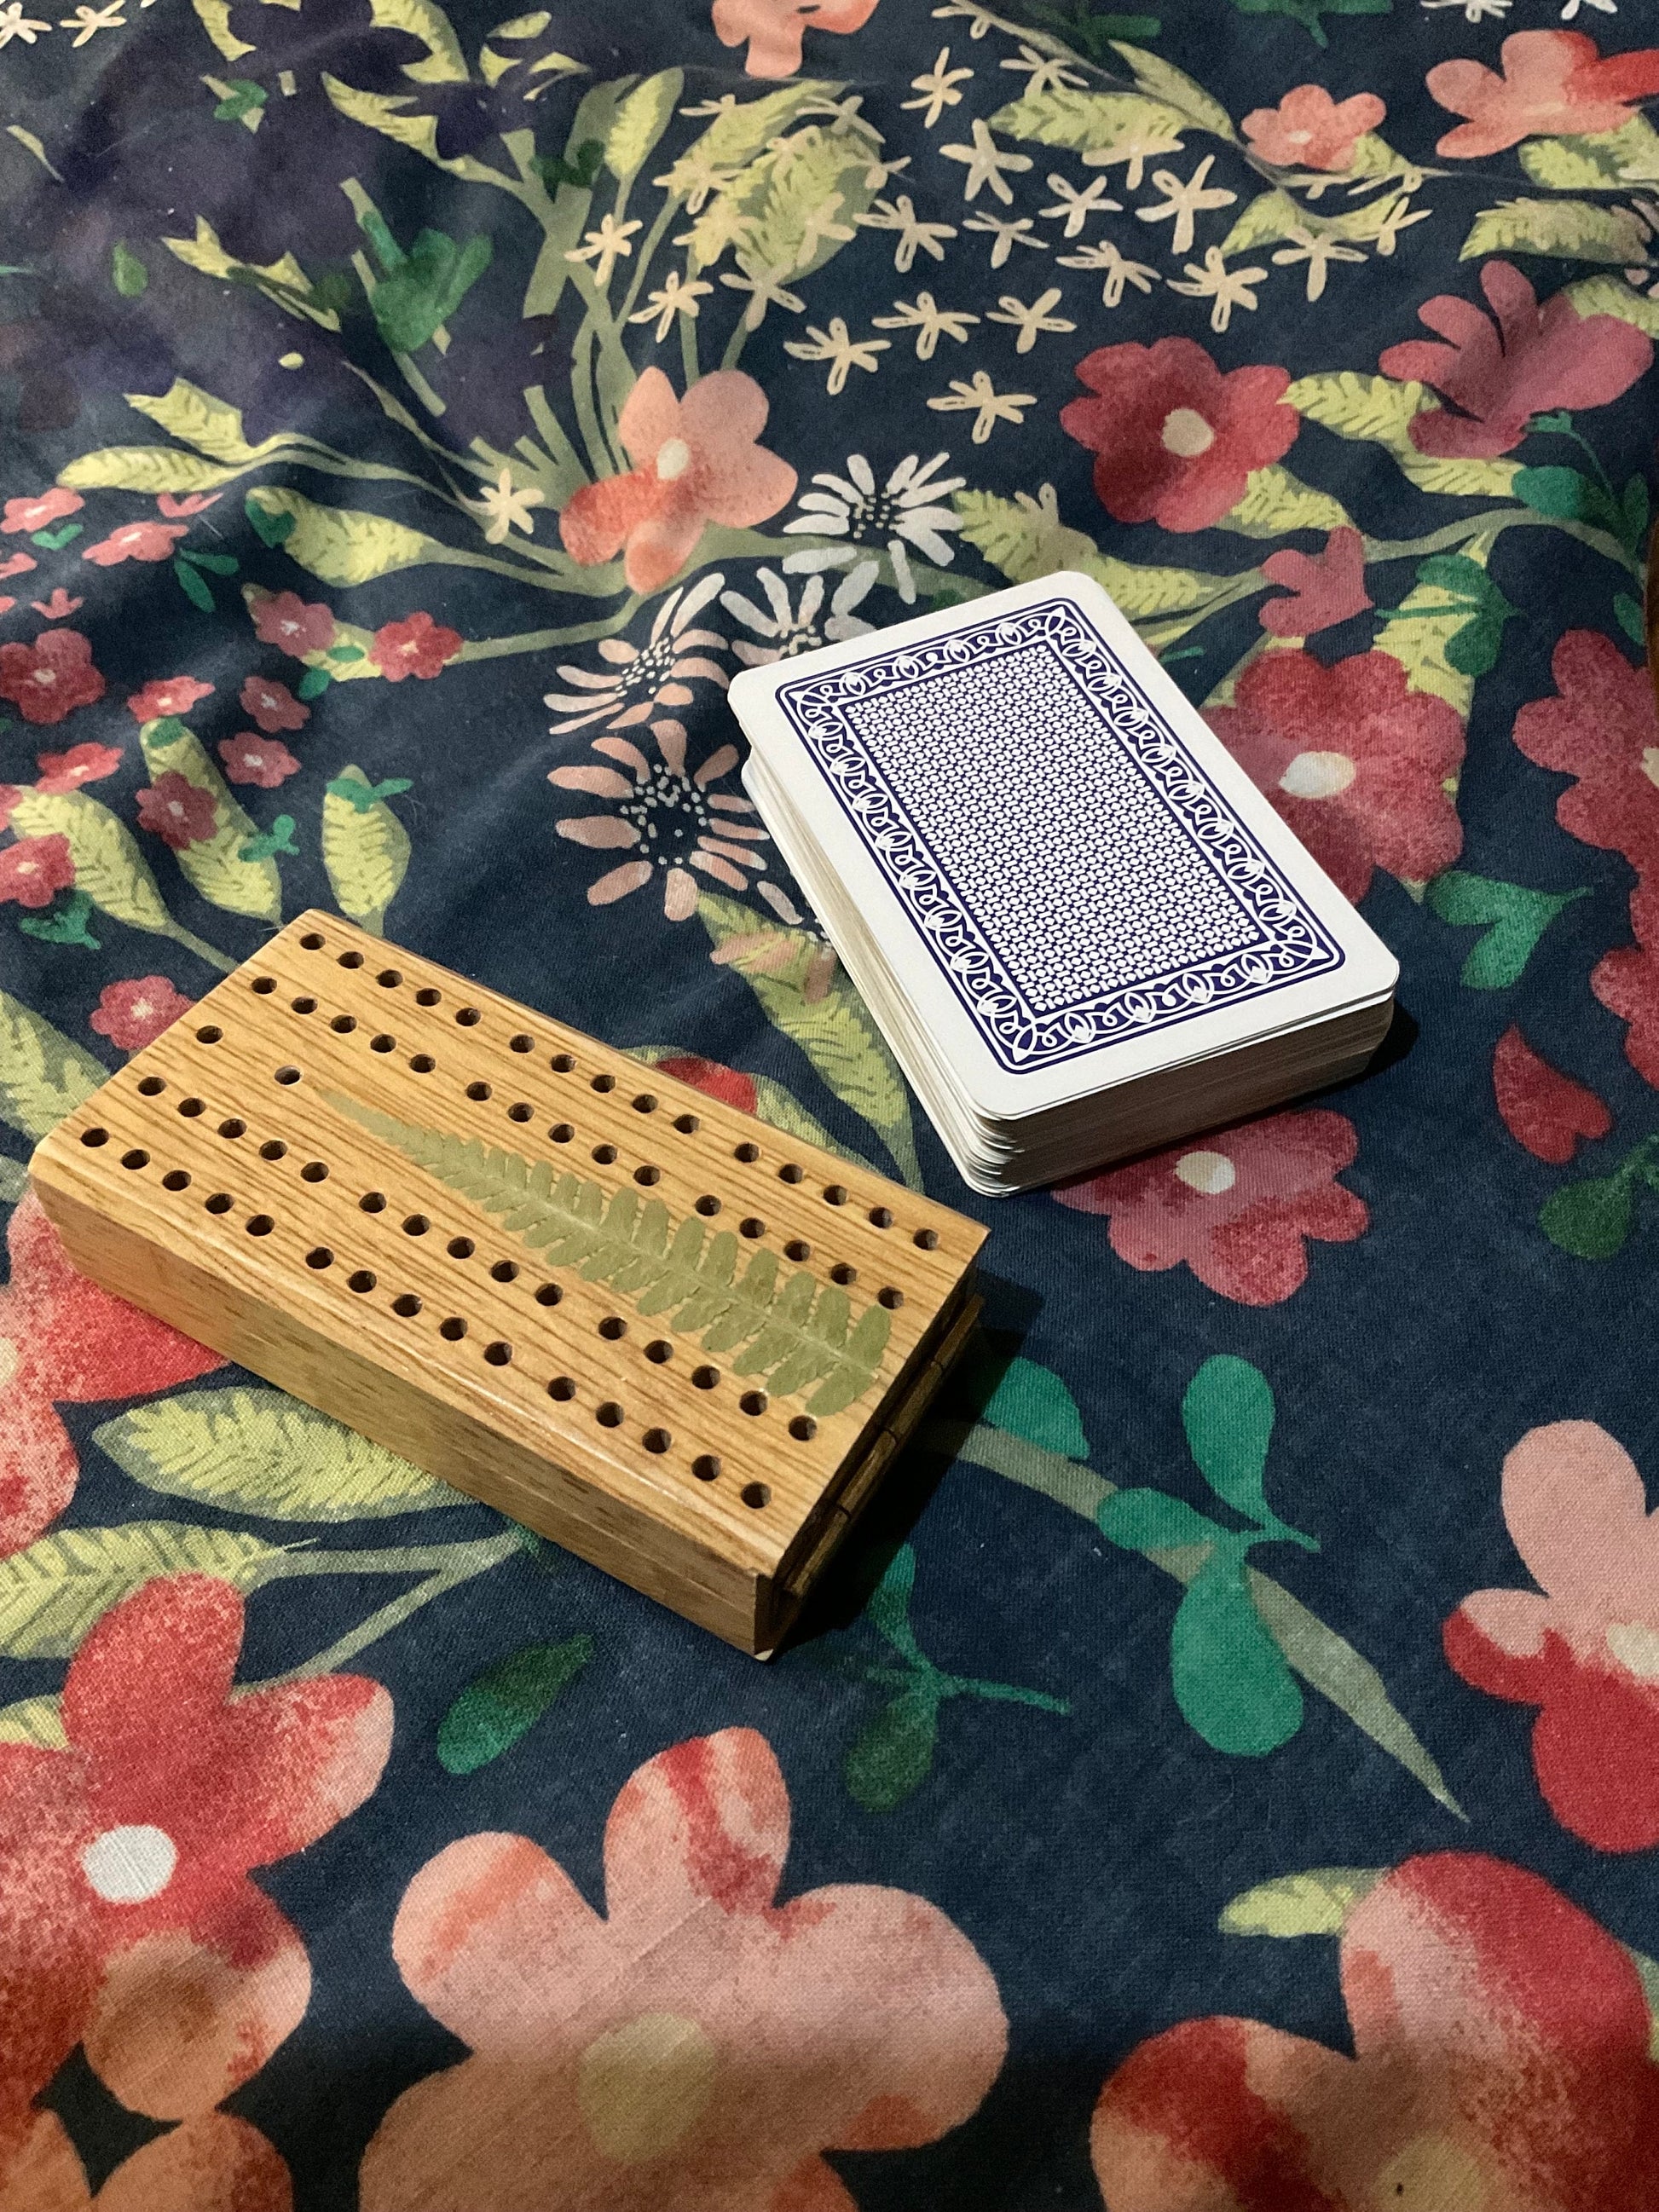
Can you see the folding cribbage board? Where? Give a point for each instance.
(659, 1331)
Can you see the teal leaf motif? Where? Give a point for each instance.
(1512, 917)
(506, 1701)
(1031, 1402)
(271, 525)
(1151, 1521)
(1309, 12)
(65, 925)
(193, 586)
(279, 838)
(423, 291)
(894, 1755)
(1228, 1415)
(1590, 1218)
(1231, 1679)
(361, 796)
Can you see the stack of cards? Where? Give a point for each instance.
(1083, 931)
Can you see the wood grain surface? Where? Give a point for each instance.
(650, 1326)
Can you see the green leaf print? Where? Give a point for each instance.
(52, 1592)
(1228, 1415)
(894, 1755)
(506, 1701)
(1230, 1677)
(365, 847)
(44, 1075)
(1309, 13)
(214, 864)
(1511, 917)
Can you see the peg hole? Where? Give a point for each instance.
(519, 1111)
(504, 1271)
(231, 1126)
(286, 1075)
(522, 1043)
(612, 1327)
(604, 1083)
(746, 1151)
(272, 1149)
(477, 1090)
(259, 1224)
(925, 1240)
(609, 1415)
(756, 1494)
(460, 1248)
(452, 1330)
(881, 1217)
(797, 1249)
(151, 1087)
(561, 1387)
(687, 1124)
(382, 1042)
(429, 997)
(209, 1033)
(705, 1378)
(314, 1171)
(389, 978)
(262, 985)
(791, 1171)
(362, 1280)
(303, 1006)
(351, 960)
(644, 1104)
(192, 1107)
(753, 1401)
(803, 1428)
(656, 1440)
(137, 1158)
(890, 1296)
(659, 1351)
(313, 940)
(343, 1024)
(562, 1063)
(422, 1063)
(175, 1179)
(415, 1225)
(468, 1016)
(221, 1202)
(498, 1354)
(548, 1295)
(406, 1305)
(841, 1273)
(834, 1195)
(320, 1257)
(605, 1154)
(708, 1204)
(373, 1201)
(562, 1133)
(94, 1137)
(647, 1175)
(706, 1466)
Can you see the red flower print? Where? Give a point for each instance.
(1175, 441)
(1601, 730)
(38, 513)
(133, 1015)
(774, 28)
(35, 869)
(283, 618)
(1353, 759)
(670, 812)
(1235, 1204)
(264, 761)
(729, 1085)
(17, 564)
(9, 795)
(1583, 1650)
(1500, 2061)
(177, 812)
(63, 1339)
(48, 680)
(1554, 83)
(1325, 588)
(214, 2163)
(272, 705)
(1627, 984)
(166, 695)
(696, 460)
(1308, 130)
(59, 607)
(81, 764)
(700, 2043)
(1500, 378)
(136, 541)
(136, 1844)
(195, 503)
(1541, 1109)
(415, 647)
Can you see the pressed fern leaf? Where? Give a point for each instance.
(796, 1333)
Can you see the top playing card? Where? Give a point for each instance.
(1076, 868)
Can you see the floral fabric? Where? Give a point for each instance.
(1224, 1774)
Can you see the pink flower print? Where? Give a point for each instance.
(1554, 84)
(133, 1015)
(1498, 377)
(774, 28)
(38, 513)
(1308, 130)
(177, 812)
(81, 764)
(197, 503)
(136, 541)
(698, 2047)
(645, 678)
(34, 870)
(1235, 1204)
(697, 460)
(17, 564)
(284, 619)
(1325, 588)
(1582, 1646)
(415, 647)
(671, 816)
(59, 607)
(272, 705)
(264, 761)
(48, 680)
(166, 695)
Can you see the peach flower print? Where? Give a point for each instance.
(700, 2044)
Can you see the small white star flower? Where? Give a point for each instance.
(987, 160)
(1399, 215)
(987, 405)
(1318, 252)
(1227, 288)
(14, 24)
(1077, 206)
(1020, 231)
(675, 296)
(1608, 8)
(87, 22)
(1031, 321)
(694, 178)
(937, 87)
(928, 320)
(1119, 271)
(1474, 11)
(819, 223)
(1185, 201)
(507, 508)
(915, 235)
(1046, 74)
(1135, 151)
(840, 349)
(787, 630)
(979, 17)
(605, 248)
(765, 289)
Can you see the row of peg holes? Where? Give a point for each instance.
(562, 1063)
(453, 1328)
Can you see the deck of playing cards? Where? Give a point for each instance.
(1083, 931)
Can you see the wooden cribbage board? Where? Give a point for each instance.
(526, 1262)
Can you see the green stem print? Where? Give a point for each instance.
(1030, 1433)
(796, 1333)
(893, 1755)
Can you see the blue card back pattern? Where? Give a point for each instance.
(1076, 876)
